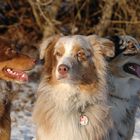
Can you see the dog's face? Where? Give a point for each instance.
(127, 62)
(13, 65)
(75, 59)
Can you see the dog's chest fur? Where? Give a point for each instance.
(64, 104)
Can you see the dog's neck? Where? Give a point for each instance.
(69, 94)
(73, 110)
(123, 88)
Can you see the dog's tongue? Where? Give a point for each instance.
(22, 76)
(138, 71)
(17, 75)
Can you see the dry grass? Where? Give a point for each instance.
(103, 17)
(88, 16)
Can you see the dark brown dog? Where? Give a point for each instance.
(12, 68)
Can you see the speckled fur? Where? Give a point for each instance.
(61, 102)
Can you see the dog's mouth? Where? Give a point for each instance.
(132, 68)
(16, 75)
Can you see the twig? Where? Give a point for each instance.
(124, 22)
(105, 20)
(37, 17)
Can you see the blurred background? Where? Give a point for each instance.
(25, 21)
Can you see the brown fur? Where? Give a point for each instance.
(11, 59)
(61, 101)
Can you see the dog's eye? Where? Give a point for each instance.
(58, 54)
(80, 54)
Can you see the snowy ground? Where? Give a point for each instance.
(21, 115)
(22, 126)
(22, 106)
(137, 128)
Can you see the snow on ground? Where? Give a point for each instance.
(21, 115)
(22, 125)
(137, 127)
(22, 106)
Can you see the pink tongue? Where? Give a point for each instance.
(138, 71)
(20, 75)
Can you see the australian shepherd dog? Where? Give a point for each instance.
(72, 95)
(124, 84)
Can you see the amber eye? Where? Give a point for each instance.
(58, 54)
(80, 54)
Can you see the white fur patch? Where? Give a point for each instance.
(60, 104)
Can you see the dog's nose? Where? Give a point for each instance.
(63, 69)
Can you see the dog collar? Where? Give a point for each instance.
(83, 120)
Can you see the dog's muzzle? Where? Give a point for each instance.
(63, 69)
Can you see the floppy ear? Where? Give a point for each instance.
(130, 45)
(46, 43)
(46, 53)
(106, 46)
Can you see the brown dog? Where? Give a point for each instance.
(71, 102)
(12, 68)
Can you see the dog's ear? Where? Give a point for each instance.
(105, 45)
(129, 45)
(46, 44)
(46, 54)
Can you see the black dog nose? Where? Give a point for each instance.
(63, 69)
